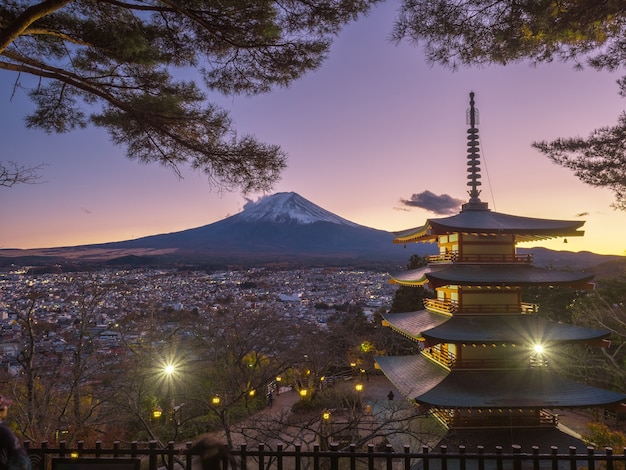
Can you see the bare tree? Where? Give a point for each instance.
(12, 173)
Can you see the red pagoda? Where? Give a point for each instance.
(484, 355)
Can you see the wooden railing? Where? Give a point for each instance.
(455, 257)
(444, 357)
(350, 458)
(448, 306)
(493, 418)
(440, 306)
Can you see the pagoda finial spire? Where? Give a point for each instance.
(473, 160)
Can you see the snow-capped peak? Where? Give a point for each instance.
(288, 208)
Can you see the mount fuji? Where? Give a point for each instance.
(280, 227)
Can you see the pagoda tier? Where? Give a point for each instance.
(484, 221)
(519, 330)
(419, 379)
(491, 275)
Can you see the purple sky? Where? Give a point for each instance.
(373, 127)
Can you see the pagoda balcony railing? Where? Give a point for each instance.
(441, 306)
(456, 419)
(449, 306)
(279, 457)
(455, 257)
(443, 357)
(492, 363)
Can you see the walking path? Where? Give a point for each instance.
(374, 395)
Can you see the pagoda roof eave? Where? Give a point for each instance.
(488, 222)
(412, 324)
(422, 380)
(412, 278)
(506, 328)
(499, 275)
(411, 375)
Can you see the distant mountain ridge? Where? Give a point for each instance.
(280, 228)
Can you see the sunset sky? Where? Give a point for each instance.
(372, 127)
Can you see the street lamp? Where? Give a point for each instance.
(359, 388)
(169, 371)
(215, 400)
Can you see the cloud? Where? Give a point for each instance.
(582, 214)
(442, 205)
(253, 202)
(84, 210)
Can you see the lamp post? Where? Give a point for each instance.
(359, 388)
(169, 371)
(326, 429)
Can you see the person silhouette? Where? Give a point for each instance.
(213, 454)
(390, 395)
(12, 455)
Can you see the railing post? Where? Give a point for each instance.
(44, 457)
(591, 463)
(62, 447)
(481, 458)
(188, 456)
(389, 450)
(517, 457)
(444, 458)
(297, 457)
(535, 452)
(261, 456)
(334, 458)
(555, 460)
(316, 457)
(170, 455)
(462, 461)
(133, 449)
(572, 457)
(499, 457)
(425, 458)
(370, 456)
(116, 448)
(152, 456)
(609, 457)
(244, 460)
(407, 459)
(352, 457)
(279, 457)
(98, 449)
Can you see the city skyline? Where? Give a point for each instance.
(374, 126)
